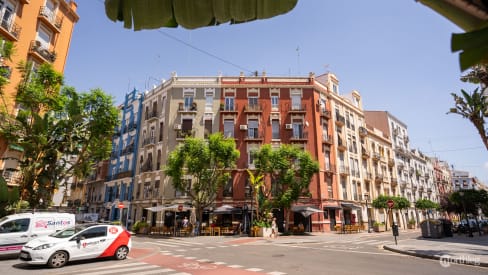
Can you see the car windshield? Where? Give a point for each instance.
(68, 232)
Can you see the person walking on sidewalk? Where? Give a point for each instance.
(274, 228)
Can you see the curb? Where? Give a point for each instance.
(432, 257)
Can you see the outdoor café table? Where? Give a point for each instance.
(216, 230)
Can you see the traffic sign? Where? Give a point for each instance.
(121, 205)
(390, 203)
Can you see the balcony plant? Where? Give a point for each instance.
(140, 227)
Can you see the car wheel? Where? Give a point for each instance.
(58, 259)
(121, 253)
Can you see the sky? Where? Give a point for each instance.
(395, 53)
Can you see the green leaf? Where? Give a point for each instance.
(473, 46)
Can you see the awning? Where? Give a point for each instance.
(306, 210)
(350, 205)
(174, 207)
(226, 209)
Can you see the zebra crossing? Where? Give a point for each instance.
(133, 268)
(180, 245)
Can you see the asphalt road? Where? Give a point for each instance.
(331, 254)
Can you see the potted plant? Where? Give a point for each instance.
(140, 227)
(411, 224)
(379, 226)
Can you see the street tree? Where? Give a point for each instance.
(381, 203)
(474, 106)
(208, 162)
(401, 203)
(289, 169)
(60, 132)
(426, 205)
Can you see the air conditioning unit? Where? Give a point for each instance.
(289, 126)
(243, 127)
(177, 127)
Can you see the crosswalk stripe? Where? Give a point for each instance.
(118, 269)
(157, 271)
(115, 266)
(367, 241)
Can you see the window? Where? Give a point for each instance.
(229, 104)
(95, 232)
(229, 128)
(208, 128)
(344, 189)
(275, 101)
(209, 94)
(7, 10)
(228, 189)
(296, 101)
(19, 225)
(252, 128)
(275, 129)
(188, 102)
(44, 36)
(253, 102)
(297, 129)
(187, 184)
(330, 189)
(326, 214)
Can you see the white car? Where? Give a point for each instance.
(84, 241)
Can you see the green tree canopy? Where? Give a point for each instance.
(425, 204)
(289, 168)
(208, 162)
(470, 201)
(61, 132)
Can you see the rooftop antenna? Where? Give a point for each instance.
(298, 59)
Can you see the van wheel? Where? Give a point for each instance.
(121, 253)
(58, 259)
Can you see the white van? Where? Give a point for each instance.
(18, 229)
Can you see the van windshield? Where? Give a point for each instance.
(68, 232)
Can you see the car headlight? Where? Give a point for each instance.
(43, 246)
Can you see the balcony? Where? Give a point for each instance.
(394, 181)
(297, 109)
(253, 135)
(367, 176)
(253, 108)
(147, 167)
(151, 116)
(128, 149)
(329, 168)
(325, 113)
(403, 183)
(376, 156)
(50, 18)
(10, 30)
(149, 141)
(378, 178)
(114, 155)
(41, 52)
(362, 131)
(343, 170)
(429, 190)
(327, 139)
(340, 120)
(341, 146)
(391, 162)
(125, 174)
(299, 137)
(229, 108)
(187, 109)
(184, 134)
(365, 153)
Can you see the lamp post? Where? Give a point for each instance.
(366, 195)
(470, 234)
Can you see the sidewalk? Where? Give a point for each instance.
(459, 249)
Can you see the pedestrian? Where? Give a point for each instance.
(185, 222)
(274, 228)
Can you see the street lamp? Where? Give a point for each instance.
(470, 234)
(366, 195)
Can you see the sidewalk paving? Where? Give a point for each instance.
(459, 249)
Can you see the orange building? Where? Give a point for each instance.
(41, 31)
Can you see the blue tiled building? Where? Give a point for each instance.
(122, 165)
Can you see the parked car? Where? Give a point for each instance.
(18, 229)
(81, 242)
